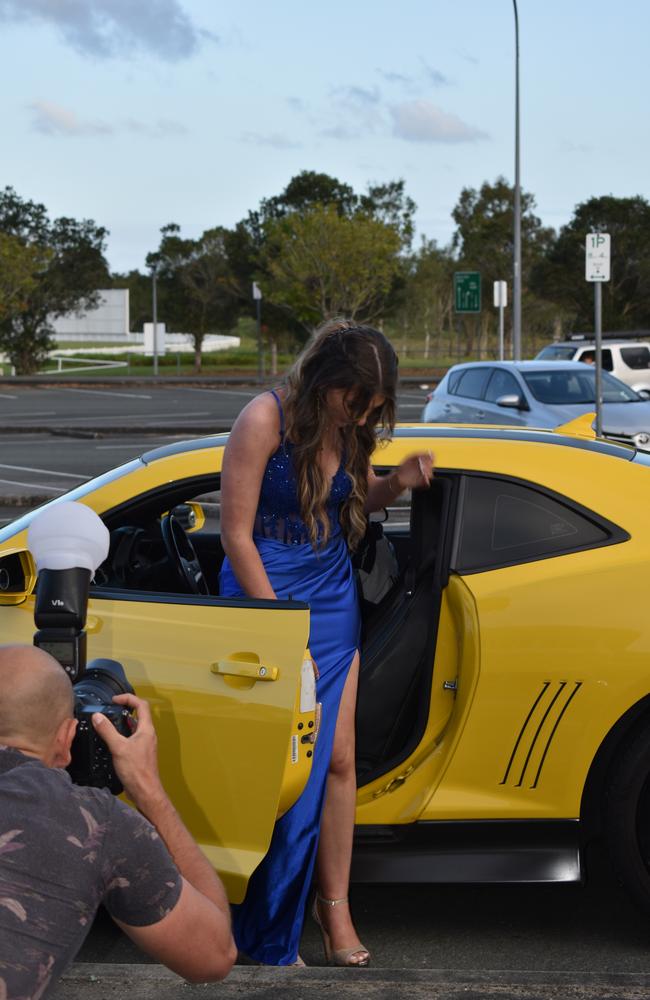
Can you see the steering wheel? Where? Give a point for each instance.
(183, 556)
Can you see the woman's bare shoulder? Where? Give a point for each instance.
(259, 422)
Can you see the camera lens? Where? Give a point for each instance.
(102, 680)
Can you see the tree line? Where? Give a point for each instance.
(319, 249)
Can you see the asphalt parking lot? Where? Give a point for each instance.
(52, 437)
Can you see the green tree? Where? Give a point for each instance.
(69, 269)
(250, 252)
(626, 297)
(320, 264)
(427, 301)
(483, 241)
(198, 288)
(20, 268)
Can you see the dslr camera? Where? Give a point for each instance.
(67, 546)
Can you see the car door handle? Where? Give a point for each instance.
(244, 668)
(480, 414)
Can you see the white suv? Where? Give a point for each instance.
(628, 361)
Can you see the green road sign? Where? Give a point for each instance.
(467, 291)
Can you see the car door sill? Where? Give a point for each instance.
(482, 851)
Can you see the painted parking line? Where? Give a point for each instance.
(46, 472)
(104, 392)
(35, 486)
(226, 392)
(5, 395)
(30, 415)
(119, 418)
(148, 445)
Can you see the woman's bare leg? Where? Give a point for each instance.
(337, 824)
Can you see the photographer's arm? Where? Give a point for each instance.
(194, 939)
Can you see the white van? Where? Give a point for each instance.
(627, 360)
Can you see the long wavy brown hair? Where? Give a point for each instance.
(340, 355)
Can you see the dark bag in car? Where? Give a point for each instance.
(375, 563)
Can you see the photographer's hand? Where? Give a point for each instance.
(135, 758)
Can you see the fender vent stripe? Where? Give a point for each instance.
(539, 729)
(523, 730)
(578, 685)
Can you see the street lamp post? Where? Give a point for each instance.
(154, 275)
(516, 283)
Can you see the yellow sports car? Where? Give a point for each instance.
(504, 702)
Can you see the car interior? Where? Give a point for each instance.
(156, 547)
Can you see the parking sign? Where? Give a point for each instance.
(597, 256)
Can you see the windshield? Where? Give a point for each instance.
(556, 353)
(568, 386)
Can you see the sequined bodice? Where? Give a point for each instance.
(278, 511)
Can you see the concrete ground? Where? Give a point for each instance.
(118, 982)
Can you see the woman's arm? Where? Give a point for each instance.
(254, 437)
(415, 471)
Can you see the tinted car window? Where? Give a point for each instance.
(453, 380)
(636, 357)
(502, 383)
(556, 353)
(571, 386)
(504, 522)
(472, 382)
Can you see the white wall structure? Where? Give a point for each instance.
(149, 338)
(109, 321)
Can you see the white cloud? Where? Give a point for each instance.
(52, 119)
(421, 121)
(109, 28)
(274, 139)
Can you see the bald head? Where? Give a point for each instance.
(35, 697)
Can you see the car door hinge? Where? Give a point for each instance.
(394, 783)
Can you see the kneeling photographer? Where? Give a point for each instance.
(64, 848)
(67, 847)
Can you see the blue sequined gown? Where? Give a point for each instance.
(268, 924)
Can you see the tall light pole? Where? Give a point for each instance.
(516, 282)
(154, 275)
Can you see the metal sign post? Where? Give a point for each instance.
(597, 270)
(500, 302)
(257, 295)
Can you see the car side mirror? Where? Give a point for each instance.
(190, 515)
(512, 401)
(644, 393)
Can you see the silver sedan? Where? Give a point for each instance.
(537, 394)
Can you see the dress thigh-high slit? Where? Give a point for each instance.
(268, 924)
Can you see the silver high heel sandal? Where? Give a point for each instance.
(340, 956)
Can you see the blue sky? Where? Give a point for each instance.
(141, 112)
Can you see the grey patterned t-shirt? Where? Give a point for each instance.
(63, 851)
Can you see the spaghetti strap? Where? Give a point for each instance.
(281, 411)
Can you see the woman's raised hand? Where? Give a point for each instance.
(416, 471)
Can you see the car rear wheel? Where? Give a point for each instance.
(627, 818)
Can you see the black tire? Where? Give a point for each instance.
(627, 817)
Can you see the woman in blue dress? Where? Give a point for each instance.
(295, 491)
